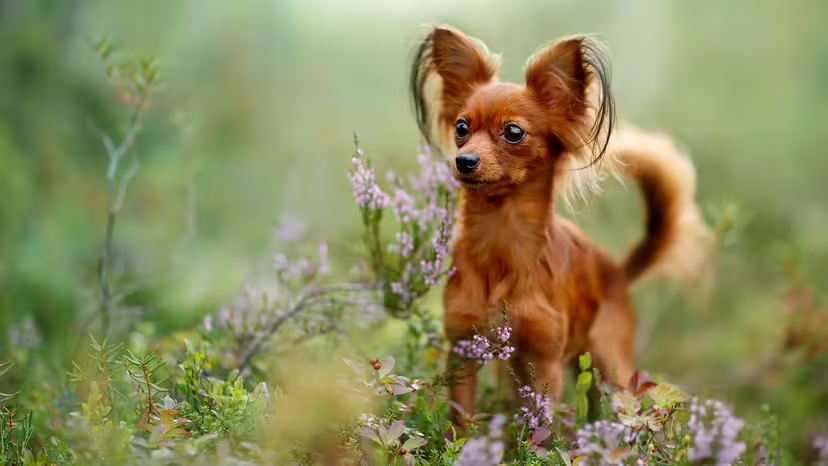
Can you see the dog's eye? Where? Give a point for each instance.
(461, 130)
(513, 134)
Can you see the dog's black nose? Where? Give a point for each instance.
(467, 163)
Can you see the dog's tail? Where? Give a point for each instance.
(677, 242)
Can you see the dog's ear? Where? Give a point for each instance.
(461, 63)
(561, 77)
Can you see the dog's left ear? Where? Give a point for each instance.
(560, 77)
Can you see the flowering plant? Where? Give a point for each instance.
(415, 261)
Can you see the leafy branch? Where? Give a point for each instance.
(134, 83)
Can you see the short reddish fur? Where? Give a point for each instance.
(564, 295)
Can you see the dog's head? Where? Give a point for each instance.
(505, 133)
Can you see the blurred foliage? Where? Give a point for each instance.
(254, 128)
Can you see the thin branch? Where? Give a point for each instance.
(133, 170)
(305, 338)
(113, 207)
(298, 306)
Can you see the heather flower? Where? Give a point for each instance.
(290, 229)
(324, 267)
(476, 348)
(24, 336)
(208, 323)
(432, 175)
(537, 409)
(423, 210)
(714, 430)
(404, 245)
(608, 440)
(403, 206)
(483, 349)
(485, 451)
(821, 446)
(363, 184)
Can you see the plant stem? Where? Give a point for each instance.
(298, 306)
(113, 207)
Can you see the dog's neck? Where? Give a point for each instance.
(510, 231)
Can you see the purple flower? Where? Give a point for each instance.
(423, 210)
(208, 323)
(24, 336)
(476, 348)
(404, 245)
(364, 186)
(606, 440)
(485, 451)
(821, 445)
(714, 430)
(403, 206)
(483, 349)
(537, 409)
(289, 230)
(324, 267)
(301, 270)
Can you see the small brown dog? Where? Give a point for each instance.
(518, 148)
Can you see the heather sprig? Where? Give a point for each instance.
(422, 207)
(293, 304)
(536, 411)
(487, 450)
(821, 446)
(482, 348)
(715, 432)
(604, 441)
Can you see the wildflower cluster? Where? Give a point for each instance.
(294, 301)
(715, 432)
(422, 206)
(536, 410)
(364, 186)
(605, 441)
(645, 426)
(821, 446)
(487, 450)
(482, 348)
(24, 335)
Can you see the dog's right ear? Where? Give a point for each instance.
(461, 63)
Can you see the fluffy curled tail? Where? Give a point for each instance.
(677, 242)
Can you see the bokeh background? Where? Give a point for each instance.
(254, 129)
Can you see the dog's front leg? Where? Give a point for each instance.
(462, 389)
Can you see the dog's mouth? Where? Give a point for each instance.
(470, 181)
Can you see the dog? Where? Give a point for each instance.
(517, 148)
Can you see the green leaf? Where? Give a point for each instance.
(9, 396)
(626, 403)
(5, 367)
(357, 368)
(667, 396)
(413, 443)
(564, 456)
(585, 361)
(387, 366)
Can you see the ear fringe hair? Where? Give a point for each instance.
(422, 68)
(423, 72)
(588, 164)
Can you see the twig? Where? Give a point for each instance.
(113, 207)
(300, 304)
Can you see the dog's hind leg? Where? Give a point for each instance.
(611, 338)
